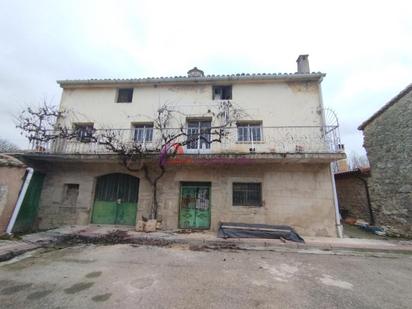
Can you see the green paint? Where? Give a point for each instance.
(28, 211)
(194, 206)
(104, 212)
(116, 200)
(113, 213)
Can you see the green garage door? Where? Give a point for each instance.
(116, 199)
(194, 205)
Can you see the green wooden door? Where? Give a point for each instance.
(116, 199)
(194, 205)
(28, 211)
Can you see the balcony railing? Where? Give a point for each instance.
(287, 139)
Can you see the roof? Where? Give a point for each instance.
(386, 106)
(364, 171)
(6, 160)
(315, 76)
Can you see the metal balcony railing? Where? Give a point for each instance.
(285, 139)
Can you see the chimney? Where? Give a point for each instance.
(303, 64)
(195, 72)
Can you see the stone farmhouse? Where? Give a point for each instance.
(273, 166)
(388, 142)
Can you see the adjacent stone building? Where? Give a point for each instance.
(353, 194)
(388, 142)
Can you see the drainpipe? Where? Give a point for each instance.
(19, 202)
(339, 226)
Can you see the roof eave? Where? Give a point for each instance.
(192, 80)
(395, 99)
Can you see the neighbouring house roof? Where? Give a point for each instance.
(386, 106)
(315, 76)
(364, 171)
(6, 160)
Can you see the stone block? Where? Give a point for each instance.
(150, 225)
(140, 226)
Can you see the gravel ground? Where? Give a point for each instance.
(126, 276)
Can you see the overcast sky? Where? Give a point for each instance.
(364, 47)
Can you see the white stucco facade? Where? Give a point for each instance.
(290, 162)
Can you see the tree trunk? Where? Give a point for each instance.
(153, 182)
(155, 205)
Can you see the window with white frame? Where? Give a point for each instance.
(249, 131)
(143, 132)
(198, 134)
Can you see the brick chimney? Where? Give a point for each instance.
(303, 64)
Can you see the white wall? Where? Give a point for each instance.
(274, 103)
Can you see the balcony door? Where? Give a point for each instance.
(198, 135)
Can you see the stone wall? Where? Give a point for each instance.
(10, 183)
(299, 195)
(388, 142)
(352, 197)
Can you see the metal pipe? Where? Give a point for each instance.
(339, 226)
(19, 202)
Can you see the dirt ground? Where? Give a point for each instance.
(127, 276)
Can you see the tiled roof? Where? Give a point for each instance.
(6, 160)
(386, 106)
(364, 171)
(186, 79)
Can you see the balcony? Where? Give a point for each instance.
(268, 140)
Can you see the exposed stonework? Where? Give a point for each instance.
(388, 141)
(11, 177)
(299, 195)
(352, 196)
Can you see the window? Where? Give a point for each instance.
(125, 95)
(143, 132)
(70, 194)
(222, 92)
(198, 134)
(247, 194)
(249, 132)
(84, 132)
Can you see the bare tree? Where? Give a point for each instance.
(7, 146)
(42, 125)
(357, 160)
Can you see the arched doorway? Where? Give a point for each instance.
(115, 200)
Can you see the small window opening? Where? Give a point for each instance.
(125, 95)
(222, 92)
(70, 194)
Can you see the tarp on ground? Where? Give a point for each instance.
(243, 230)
